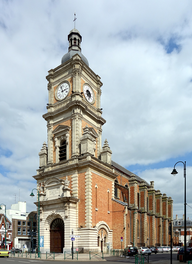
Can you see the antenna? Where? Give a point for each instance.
(74, 19)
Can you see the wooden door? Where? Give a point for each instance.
(57, 236)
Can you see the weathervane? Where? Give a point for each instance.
(74, 19)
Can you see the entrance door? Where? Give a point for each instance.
(57, 236)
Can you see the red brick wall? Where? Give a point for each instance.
(151, 202)
(117, 224)
(142, 201)
(81, 194)
(158, 206)
(102, 200)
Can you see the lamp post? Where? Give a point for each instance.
(174, 172)
(31, 231)
(38, 215)
(5, 224)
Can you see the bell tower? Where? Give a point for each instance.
(74, 103)
(73, 161)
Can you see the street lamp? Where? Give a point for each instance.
(174, 172)
(38, 215)
(31, 231)
(5, 224)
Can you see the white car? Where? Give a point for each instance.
(165, 249)
(144, 251)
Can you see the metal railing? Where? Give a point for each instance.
(68, 255)
(97, 255)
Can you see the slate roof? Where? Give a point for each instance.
(127, 172)
(120, 202)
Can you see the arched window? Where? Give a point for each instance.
(62, 151)
(116, 190)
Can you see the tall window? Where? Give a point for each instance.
(116, 190)
(62, 151)
(24, 231)
(138, 200)
(19, 231)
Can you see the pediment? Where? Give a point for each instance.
(52, 182)
(91, 131)
(61, 129)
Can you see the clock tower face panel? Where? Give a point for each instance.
(63, 90)
(89, 93)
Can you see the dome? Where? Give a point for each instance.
(71, 53)
(74, 39)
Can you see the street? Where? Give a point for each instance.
(165, 257)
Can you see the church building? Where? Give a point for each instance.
(81, 189)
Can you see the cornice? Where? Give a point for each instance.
(58, 200)
(71, 65)
(71, 104)
(75, 164)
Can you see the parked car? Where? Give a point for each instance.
(154, 250)
(4, 252)
(174, 249)
(160, 249)
(180, 253)
(15, 250)
(144, 251)
(165, 249)
(130, 251)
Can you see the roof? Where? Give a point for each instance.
(127, 172)
(71, 53)
(120, 202)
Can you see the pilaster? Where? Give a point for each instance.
(88, 199)
(50, 142)
(133, 192)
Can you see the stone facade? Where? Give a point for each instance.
(82, 191)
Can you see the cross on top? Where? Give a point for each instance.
(74, 19)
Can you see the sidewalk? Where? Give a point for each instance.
(60, 256)
(86, 257)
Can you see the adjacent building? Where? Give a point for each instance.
(21, 227)
(83, 193)
(5, 228)
(178, 230)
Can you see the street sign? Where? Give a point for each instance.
(41, 241)
(72, 239)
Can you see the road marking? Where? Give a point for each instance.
(31, 260)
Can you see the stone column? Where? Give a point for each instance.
(50, 142)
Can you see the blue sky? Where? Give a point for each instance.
(142, 52)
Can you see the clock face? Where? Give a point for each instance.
(62, 91)
(88, 92)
